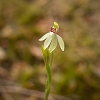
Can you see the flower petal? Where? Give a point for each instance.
(56, 25)
(53, 43)
(61, 42)
(44, 36)
(47, 41)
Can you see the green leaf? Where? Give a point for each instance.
(44, 37)
(47, 41)
(61, 42)
(45, 54)
(53, 43)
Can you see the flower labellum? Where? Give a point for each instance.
(51, 38)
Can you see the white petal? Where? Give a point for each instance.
(47, 41)
(53, 43)
(44, 36)
(61, 42)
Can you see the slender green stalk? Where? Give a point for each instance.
(48, 57)
(49, 80)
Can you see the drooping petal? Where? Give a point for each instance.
(47, 41)
(44, 36)
(53, 43)
(61, 42)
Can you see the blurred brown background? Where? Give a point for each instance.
(76, 71)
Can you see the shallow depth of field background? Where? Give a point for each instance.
(76, 71)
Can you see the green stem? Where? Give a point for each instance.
(49, 80)
(51, 58)
(48, 57)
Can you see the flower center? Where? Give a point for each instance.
(54, 30)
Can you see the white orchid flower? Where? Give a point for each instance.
(51, 38)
